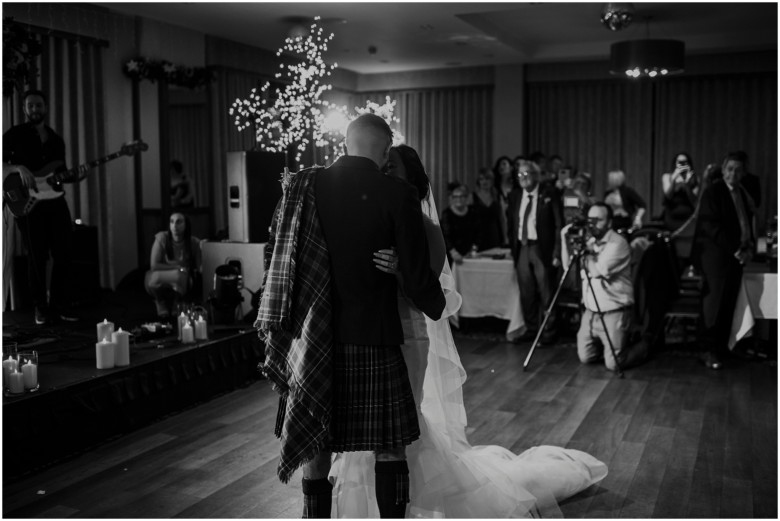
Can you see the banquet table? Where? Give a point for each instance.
(757, 299)
(489, 288)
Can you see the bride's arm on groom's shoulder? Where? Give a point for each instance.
(436, 246)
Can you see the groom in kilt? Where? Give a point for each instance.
(330, 319)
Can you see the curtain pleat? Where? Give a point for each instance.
(188, 130)
(451, 129)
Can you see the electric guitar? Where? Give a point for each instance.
(49, 180)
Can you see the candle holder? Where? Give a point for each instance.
(10, 364)
(28, 366)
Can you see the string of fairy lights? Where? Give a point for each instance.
(296, 115)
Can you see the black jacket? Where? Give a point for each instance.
(361, 210)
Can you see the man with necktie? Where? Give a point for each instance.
(535, 219)
(724, 242)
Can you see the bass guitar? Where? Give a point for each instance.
(49, 180)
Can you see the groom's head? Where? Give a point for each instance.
(369, 136)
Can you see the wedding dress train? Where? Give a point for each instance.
(448, 477)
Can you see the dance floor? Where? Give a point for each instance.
(679, 440)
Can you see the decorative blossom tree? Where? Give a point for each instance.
(297, 115)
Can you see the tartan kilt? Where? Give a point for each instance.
(373, 404)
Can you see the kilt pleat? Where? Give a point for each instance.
(373, 404)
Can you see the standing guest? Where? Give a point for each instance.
(540, 160)
(609, 295)
(506, 181)
(459, 224)
(535, 218)
(723, 244)
(628, 208)
(174, 265)
(330, 319)
(488, 210)
(554, 164)
(28, 149)
(681, 190)
(750, 181)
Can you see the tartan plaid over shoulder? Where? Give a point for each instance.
(295, 322)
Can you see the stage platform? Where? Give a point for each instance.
(79, 406)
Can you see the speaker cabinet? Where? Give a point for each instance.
(248, 256)
(253, 191)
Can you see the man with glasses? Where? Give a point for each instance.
(535, 220)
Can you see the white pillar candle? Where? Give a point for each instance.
(104, 353)
(16, 382)
(121, 340)
(201, 329)
(104, 330)
(10, 365)
(187, 334)
(30, 375)
(180, 324)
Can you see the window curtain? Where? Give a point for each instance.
(596, 127)
(451, 130)
(711, 116)
(71, 78)
(188, 130)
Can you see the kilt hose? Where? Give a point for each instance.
(373, 404)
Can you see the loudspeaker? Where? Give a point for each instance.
(248, 257)
(254, 188)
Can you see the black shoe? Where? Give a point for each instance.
(68, 314)
(40, 316)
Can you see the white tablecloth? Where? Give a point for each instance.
(489, 288)
(757, 298)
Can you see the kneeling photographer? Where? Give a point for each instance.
(608, 295)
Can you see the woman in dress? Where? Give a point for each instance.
(448, 477)
(681, 189)
(506, 181)
(488, 209)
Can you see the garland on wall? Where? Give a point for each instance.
(20, 53)
(141, 68)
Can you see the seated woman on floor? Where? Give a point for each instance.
(174, 265)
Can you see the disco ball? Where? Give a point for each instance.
(617, 16)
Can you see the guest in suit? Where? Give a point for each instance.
(535, 220)
(723, 243)
(628, 207)
(352, 386)
(750, 181)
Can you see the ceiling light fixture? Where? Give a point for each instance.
(651, 58)
(617, 16)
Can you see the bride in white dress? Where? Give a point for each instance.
(449, 477)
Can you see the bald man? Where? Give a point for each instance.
(362, 210)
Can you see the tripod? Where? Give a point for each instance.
(575, 260)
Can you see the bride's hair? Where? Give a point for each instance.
(415, 171)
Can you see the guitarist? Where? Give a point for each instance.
(48, 228)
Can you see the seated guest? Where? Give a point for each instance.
(506, 181)
(488, 210)
(680, 189)
(174, 264)
(459, 225)
(608, 263)
(628, 208)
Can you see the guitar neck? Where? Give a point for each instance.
(62, 176)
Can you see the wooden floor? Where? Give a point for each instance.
(679, 440)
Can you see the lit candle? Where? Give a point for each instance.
(104, 330)
(180, 324)
(122, 350)
(30, 375)
(104, 353)
(9, 366)
(187, 335)
(201, 329)
(16, 382)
